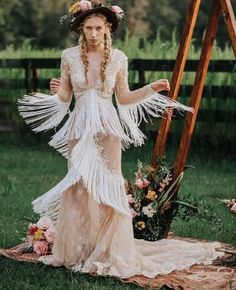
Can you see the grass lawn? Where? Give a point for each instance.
(28, 171)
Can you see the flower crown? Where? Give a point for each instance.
(85, 5)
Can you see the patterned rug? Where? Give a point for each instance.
(220, 275)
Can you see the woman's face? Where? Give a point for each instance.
(94, 30)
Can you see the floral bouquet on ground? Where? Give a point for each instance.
(40, 236)
(150, 197)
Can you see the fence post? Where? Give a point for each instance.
(141, 76)
(27, 64)
(35, 79)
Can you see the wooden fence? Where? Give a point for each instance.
(31, 82)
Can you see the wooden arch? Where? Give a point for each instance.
(219, 7)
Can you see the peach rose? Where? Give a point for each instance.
(49, 234)
(40, 248)
(139, 183)
(44, 223)
(85, 5)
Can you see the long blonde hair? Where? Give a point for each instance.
(107, 49)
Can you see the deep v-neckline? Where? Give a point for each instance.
(97, 80)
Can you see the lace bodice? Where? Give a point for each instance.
(73, 78)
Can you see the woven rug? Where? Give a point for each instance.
(220, 275)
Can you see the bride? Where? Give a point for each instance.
(89, 205)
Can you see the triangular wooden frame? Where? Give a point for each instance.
(219, 7)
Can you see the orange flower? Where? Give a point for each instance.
(74, 8)
(38, 235)
(151, 195)
(140, 225)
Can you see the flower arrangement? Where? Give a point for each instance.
(84, 5)
(230, 203)
(40, 236)
(81, 6)
(150, 197)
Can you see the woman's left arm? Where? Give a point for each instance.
(137, 104)
(127, 97)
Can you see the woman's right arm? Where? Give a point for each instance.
(65, 89)
(44, 112)
(55, 85)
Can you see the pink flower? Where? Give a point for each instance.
(117, 10)
(145, 182)
(44, 223)
(161, 189)
(233, 208)
(85, 5)
(40, 248)
(162, 184)
(139, 183)
(49, 234)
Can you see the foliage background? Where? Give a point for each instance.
(28, 167)
(39, 21)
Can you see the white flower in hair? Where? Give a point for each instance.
(85, 5)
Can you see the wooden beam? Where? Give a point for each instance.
(198, 88)
(229, 18)
(177, 76)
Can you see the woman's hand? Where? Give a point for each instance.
(55, 85)
(160, 85)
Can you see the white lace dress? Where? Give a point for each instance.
(89, 205)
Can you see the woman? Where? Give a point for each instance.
(89, 206)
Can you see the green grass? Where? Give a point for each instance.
(157, 48)
(28, 168)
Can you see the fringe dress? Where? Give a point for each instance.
(89, 205)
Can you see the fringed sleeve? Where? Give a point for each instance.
(135, 106)
(43, 112)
